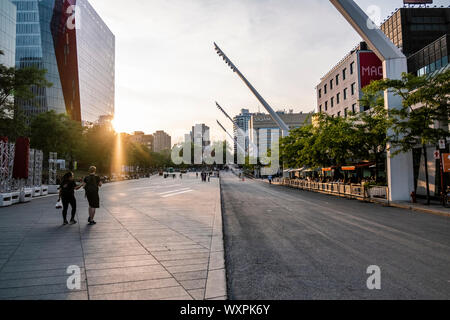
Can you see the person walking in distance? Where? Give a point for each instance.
(91, 185)
(67, 196)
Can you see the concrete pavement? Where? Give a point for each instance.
(282, 243)
(155, 239)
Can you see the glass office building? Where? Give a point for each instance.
(69, 40)
(411, 29)
(433, 58)
(241, 129)
(7, 33)
(34, 47)
(96, 64)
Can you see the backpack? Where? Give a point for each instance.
(91, 185)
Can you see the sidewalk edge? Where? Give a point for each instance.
(216, 282)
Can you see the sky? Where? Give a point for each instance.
(168, 75)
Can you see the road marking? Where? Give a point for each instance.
(172, 191)
(176, 194)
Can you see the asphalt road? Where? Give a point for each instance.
(282, 243)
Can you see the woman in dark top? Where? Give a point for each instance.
(67, 196)
(91, 185)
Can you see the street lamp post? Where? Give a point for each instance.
(399, 168)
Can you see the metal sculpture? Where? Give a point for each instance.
(30, 180)
(284, 128)
(52, 168)
(38, 162)
(4, 166)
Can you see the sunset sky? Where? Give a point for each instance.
(168, 74)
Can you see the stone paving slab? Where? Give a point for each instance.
(149, 243)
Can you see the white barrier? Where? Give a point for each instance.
(5, 199)
(53, 189)
(36, 192)
(26, 195)
(15, 197)
(44, 190)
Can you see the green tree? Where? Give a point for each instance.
(53, 132)
(99, 146)
(334, 141)
(294, 148)
(329, 141)
(423, 117)
(372, 127)
(17, 84)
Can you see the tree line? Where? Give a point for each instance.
(422, 120)
(53, 132)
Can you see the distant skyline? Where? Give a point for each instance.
(168, 75)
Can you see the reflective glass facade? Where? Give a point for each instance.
(7, 33)
(96, 61)
(35, 48)
(411, 29)
(70, 41)
(430, 59)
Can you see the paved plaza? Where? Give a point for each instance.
(155, 239)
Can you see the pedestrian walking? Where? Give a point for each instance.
(67, 197)
(91, 185)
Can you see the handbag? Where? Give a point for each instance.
(59, 204)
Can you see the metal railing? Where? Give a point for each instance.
(356, 191)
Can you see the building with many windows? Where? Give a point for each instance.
(241, 129)
(262, 125)
(340, 89)
(421, 33)
(143, 139)
(161, 142)
(412, 29)
(200, 135)
(7, 33)
(423, 36)
(69, 40)
(431, 59)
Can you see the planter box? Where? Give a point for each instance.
(5, 199)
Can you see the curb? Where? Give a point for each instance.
(421, 210)
(216, 282)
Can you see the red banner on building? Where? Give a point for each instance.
(371, 68)
(21, 158)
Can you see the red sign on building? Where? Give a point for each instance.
(446, 162)
(370, 68)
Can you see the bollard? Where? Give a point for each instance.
(413, 197)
